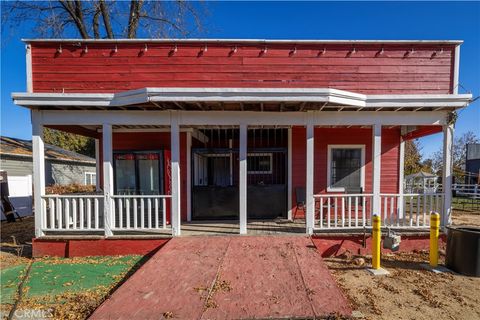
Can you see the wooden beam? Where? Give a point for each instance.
(76, 130)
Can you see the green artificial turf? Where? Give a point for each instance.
(52, 277)
(10, 278)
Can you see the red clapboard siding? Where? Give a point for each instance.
(425, 71)
(325, 136)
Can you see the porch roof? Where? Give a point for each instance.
(241, 99)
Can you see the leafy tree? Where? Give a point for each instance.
(413, 158)
(69, 141)
(106, 19)
(458, 155)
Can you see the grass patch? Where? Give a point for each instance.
(68, 288)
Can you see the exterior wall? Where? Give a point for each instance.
(156, 141)
(367, 70)
(56, 172)
(17, 167)
(325, 136)
(65, 173)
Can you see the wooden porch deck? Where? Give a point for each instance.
(228, 227)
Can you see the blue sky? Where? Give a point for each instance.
(305, 20)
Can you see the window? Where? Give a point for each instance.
(259, 163)
(346, 168)
(90, 178)
(138, 172)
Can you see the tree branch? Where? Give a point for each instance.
(135, 7)
(106, 18)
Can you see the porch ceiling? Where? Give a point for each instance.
(240, 99)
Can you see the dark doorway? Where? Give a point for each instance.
(215, 169)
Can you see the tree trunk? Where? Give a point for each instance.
(135, 7)
(106, 18)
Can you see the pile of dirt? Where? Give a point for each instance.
(409, 292)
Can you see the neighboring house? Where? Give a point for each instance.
(472, 164)
(62, 167)
(242, 129)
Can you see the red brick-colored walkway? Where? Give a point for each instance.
(229, 278)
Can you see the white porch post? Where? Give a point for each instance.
(289, 175)
(97, 165)
(108, 179)
(401, 174)
(243, 179)
(376, 161)
(38, 172)
(447, 174)
(310, 204)
(175, 149)
(189, 176)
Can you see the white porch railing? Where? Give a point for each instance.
(72, 213)
(342, 211)
(354, 211)
(86, 212)
(139, 212)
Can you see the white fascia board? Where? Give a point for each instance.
(255, 95)
(62, 99)
(322, 95)
(425, 100)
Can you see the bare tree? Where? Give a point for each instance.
(106, 19)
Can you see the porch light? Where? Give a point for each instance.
(145, 49)
(264, 50)
(322, 52)
(380, 52)
(115, 50)
(293, 52)
(85, 50)
(234, 50)
(410, 52)
(59, 50)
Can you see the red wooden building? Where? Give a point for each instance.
(206, 129)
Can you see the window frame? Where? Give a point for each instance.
(330, 147)
(261, 154)
(91, 174)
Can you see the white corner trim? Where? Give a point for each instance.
(28, 53)
(329, 165)
(456, 70)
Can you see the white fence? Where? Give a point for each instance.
(86, 212)
(354, 211)
(467, 190)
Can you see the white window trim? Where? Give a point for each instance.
(89, 173)
(329, 161)
(263, 154)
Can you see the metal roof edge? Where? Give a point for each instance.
(249, 41)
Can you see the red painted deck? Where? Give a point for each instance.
(274, 277)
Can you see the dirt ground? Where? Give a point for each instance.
(466, 217)
(409, 292)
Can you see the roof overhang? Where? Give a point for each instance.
(235, 99)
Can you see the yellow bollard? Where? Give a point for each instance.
(434, 234)
(376, 238)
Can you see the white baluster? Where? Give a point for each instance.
(89, 213)
(96, 213)
(149, 206)
(66, 204)
(135, 218)
(164, 213)
(127, 212)
(74, 212)
(51, 205)
(82, 213)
